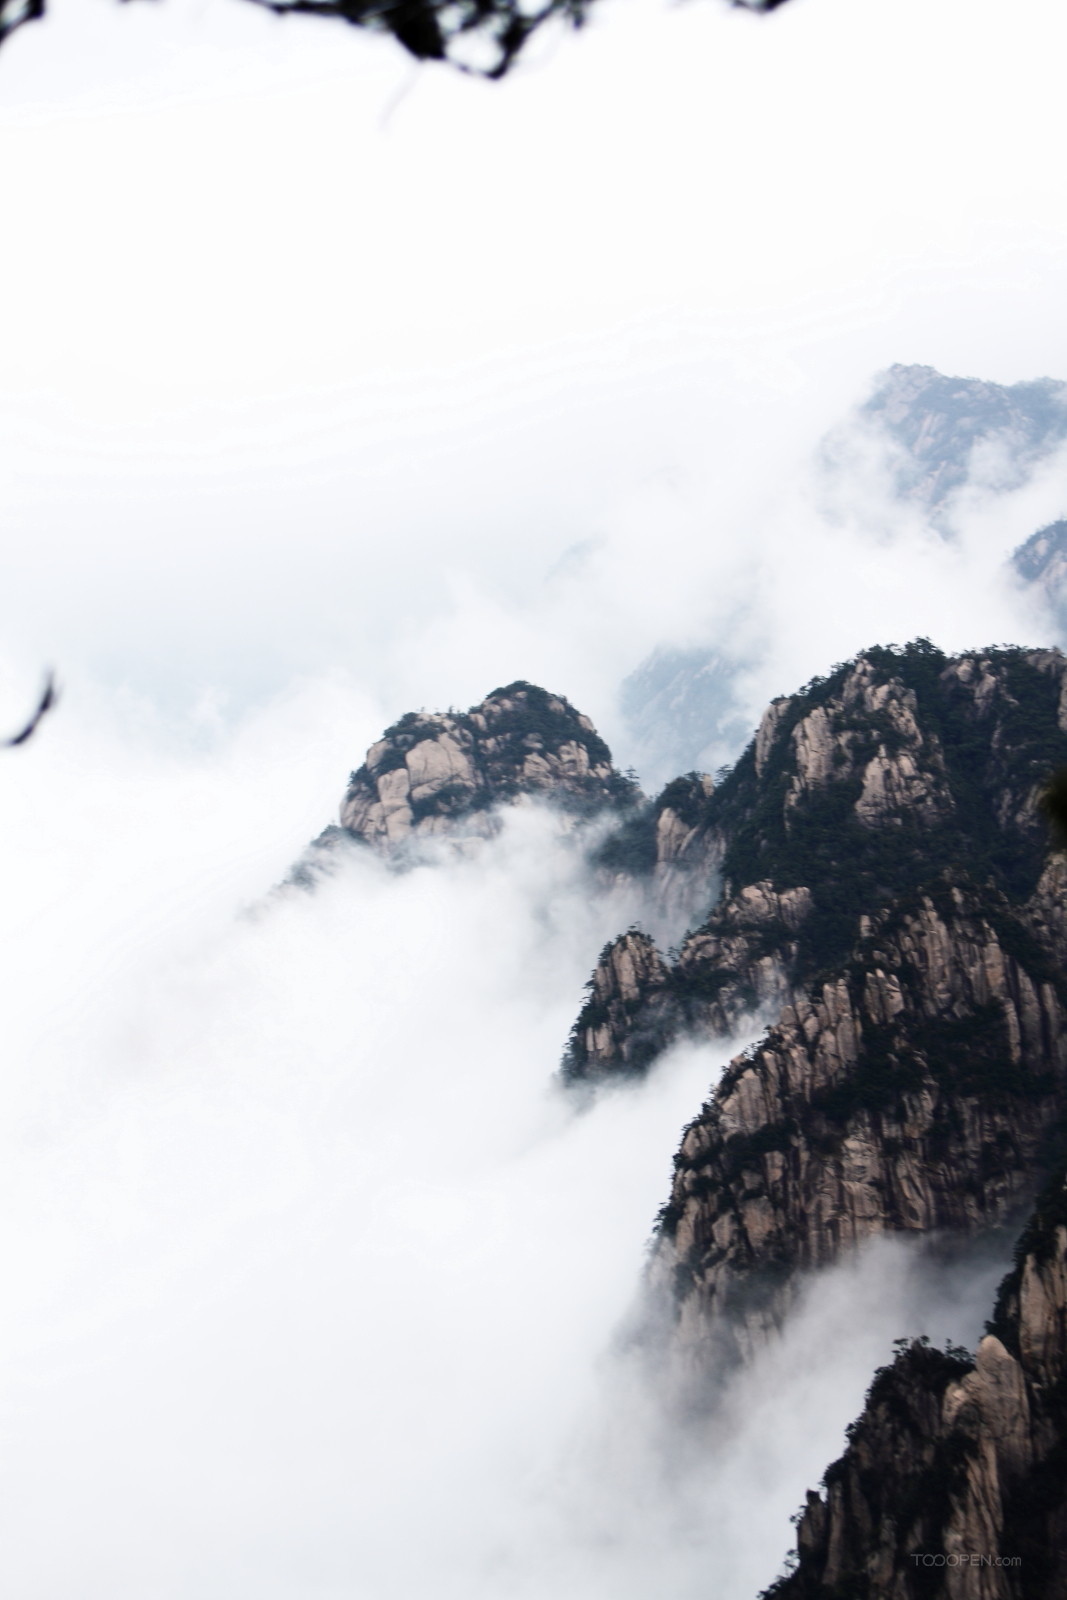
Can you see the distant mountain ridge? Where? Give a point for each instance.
(935, 434)
(939, 424)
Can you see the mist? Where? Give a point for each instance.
(322, 365)
(332, 390)
(317, 1283)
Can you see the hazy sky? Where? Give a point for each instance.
(331, 387)
(316, 361)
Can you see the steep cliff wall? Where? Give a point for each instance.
(856, 792)
(954, 1482)
(889, 907)
(668, 845)
(914, 1091)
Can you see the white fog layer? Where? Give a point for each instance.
(334, 388)
(315, 1284)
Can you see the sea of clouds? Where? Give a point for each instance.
(316, 1283)
(331, 392)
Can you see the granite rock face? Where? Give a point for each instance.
(433, 771)
(447, 774)
(954, 1482)
(889, 908)
(911, 1093)
(846, 798)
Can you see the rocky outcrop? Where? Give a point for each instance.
(953, 1485)
(430, 772)
(630, 977)
(447, 774)
(854, 793)
(890, 909)
(913, 1092)
(737, 964)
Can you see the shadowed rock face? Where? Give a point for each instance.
(911, 1093)
(954, 1482)
(888, 906)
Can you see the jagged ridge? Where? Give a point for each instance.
(882, 855)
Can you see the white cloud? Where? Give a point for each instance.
(296, 376)
(307, 397)
(314, 1282)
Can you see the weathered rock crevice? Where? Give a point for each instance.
(913, 1093)
(953, 1485)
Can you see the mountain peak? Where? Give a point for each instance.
(937, 423)
(442, 772)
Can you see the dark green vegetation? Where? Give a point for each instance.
(976, 739)
(524, 710)
(852, 868)
(1053, 805)
(510, 725)
(964, 1057)
(896, 1478)
(632, 848)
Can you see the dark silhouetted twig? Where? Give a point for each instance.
(49, 696)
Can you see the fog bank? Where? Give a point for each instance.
(317, 1285)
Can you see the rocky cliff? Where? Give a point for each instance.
(914, 1091)
(888, 907)
(448, 773)
(430, 770)
(954, 1482)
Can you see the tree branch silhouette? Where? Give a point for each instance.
(480, 37)
(49, 696)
